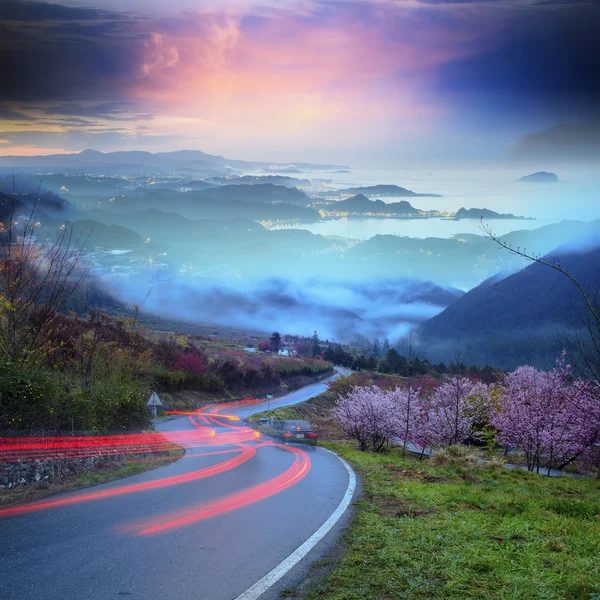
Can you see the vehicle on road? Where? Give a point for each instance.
(296, 429)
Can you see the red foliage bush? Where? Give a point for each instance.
(192, 363)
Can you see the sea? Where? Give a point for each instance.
(575, 197)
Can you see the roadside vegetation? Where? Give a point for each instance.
(88, 372)
(465, 531)
(453, 522)
(97, 373)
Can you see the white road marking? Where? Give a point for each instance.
(262, 585)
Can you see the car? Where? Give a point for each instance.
(295, 429)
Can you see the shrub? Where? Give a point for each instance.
(456, 455)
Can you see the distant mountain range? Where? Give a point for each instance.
(181, 160)
(522, 318)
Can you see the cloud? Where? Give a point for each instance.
(158, 55)
(322, 76)
(564, 142)
(29, 10)
(30, 151)
(6, 114)
(72, 140)
(110, 111)
(339, 311)
(544, 59)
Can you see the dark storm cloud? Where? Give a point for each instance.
(549, 56)
(458, 1)
(65, 53)
(514, 2)
(46, 72)
(6, 114)
(27, 10)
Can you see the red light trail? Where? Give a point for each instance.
(211, 428)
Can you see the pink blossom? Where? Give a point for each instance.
(450, 417)
(552, 419)
(369, 415)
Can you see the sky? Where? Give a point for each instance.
(371, 83)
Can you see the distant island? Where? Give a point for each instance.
(485, 213)
(361, 205)
(387, 190)
(540, 177)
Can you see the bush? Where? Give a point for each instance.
(455, 455)
(30, 399)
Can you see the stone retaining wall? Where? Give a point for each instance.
(21, 473)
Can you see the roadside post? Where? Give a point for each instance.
(153, 402)
(269, 396)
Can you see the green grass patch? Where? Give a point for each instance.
(457, 532)
(282, 414)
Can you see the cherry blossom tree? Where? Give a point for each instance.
(551, 418)
(450, 415)
(369, 415)
(409, 413)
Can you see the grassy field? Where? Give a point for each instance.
(466, 532)
(458, 532)
(107, 471)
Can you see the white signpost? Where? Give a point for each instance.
(154, 401)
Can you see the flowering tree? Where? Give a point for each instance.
(407, 402)
(588, 394)
(369, 415)
(450, 415)
(553, 420)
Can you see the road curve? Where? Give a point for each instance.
(209, 526)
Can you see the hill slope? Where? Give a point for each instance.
(521, 318)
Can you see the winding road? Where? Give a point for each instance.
(238, 517)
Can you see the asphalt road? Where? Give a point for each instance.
(209, 538)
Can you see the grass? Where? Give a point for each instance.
(465, 532)
(108, 471)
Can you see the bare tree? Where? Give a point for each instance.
(36, 281)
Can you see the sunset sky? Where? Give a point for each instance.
(346, 81)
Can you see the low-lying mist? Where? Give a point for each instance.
(338, 311)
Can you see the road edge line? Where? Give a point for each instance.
(286, 565)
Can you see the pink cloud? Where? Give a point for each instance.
(158, 55)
